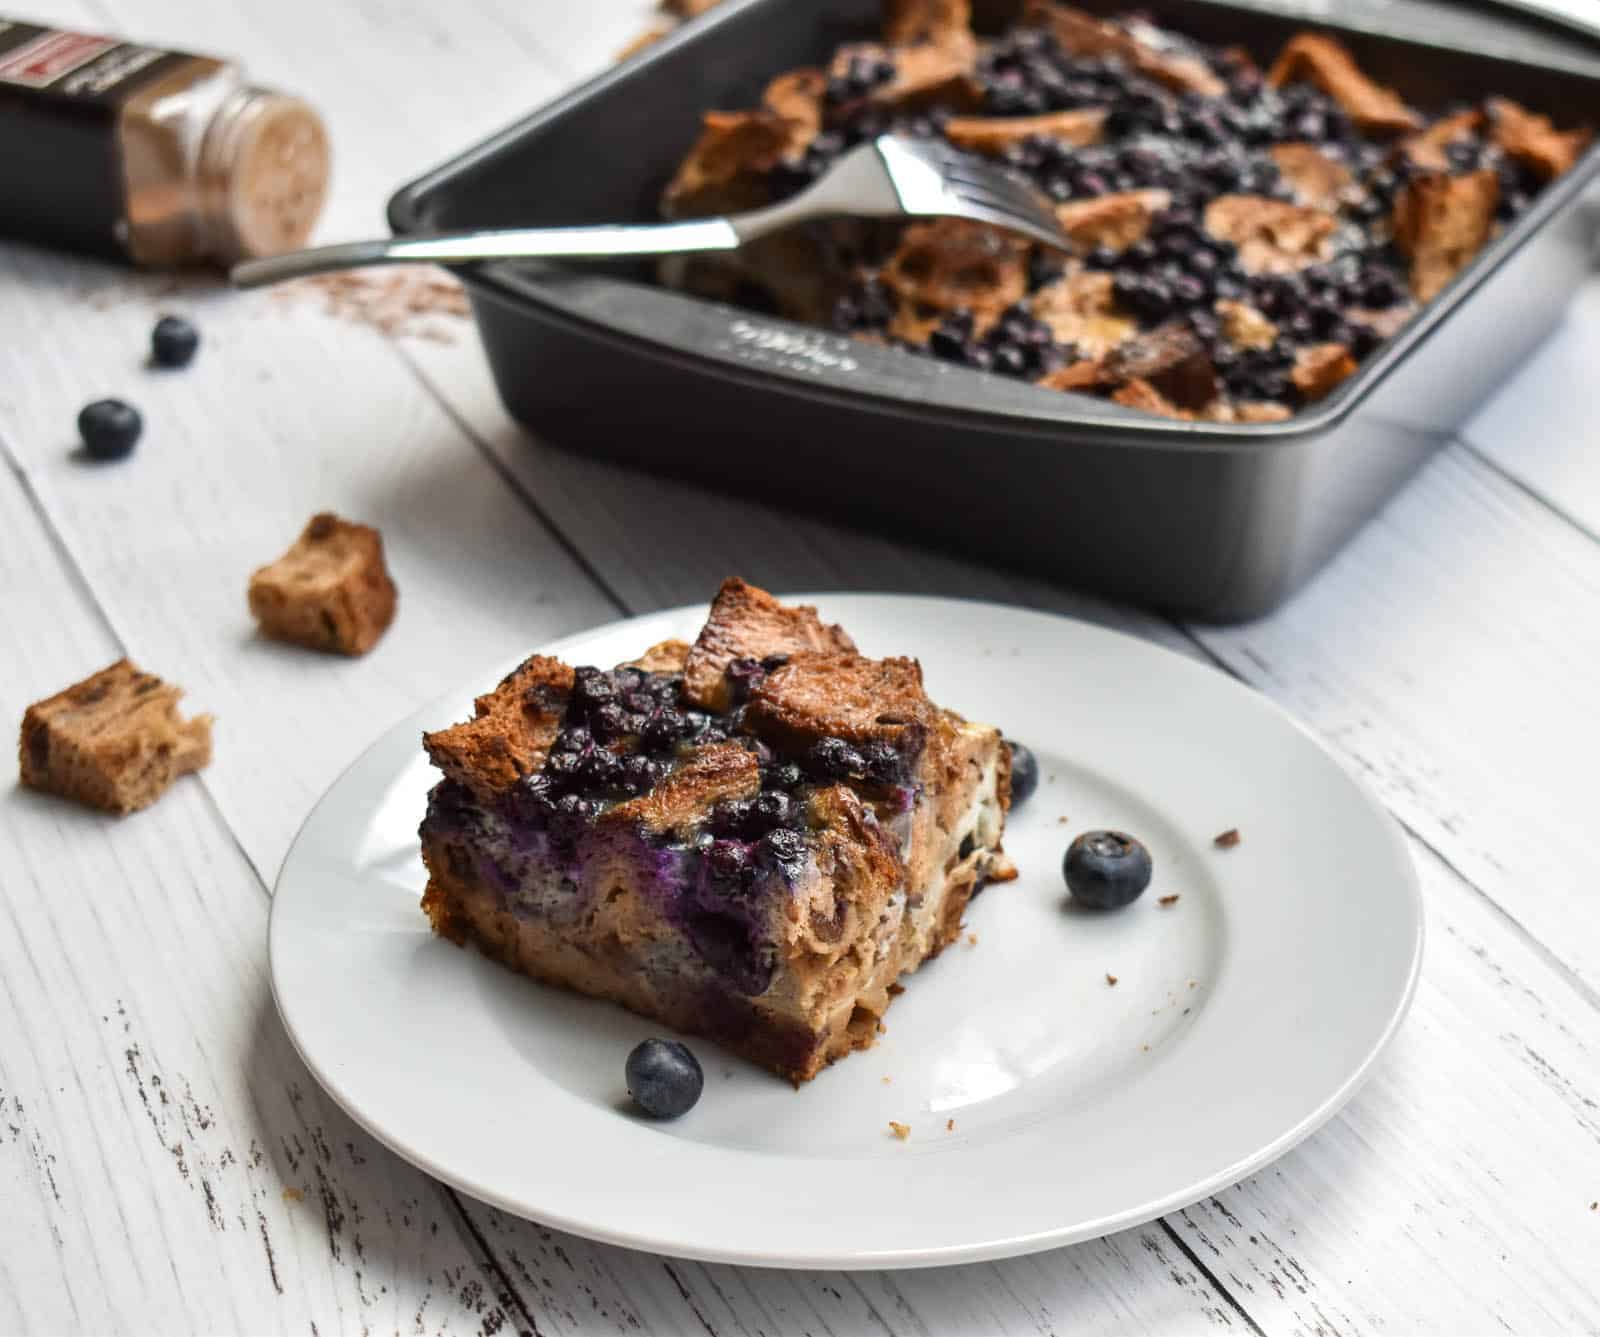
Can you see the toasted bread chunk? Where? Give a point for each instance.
(1441, 222)
(1321, 367)
(797, 97)
(1081, 309)
(114, 741)
(819, 695)
(925, 72)
(1116, 221)
(724, 170)
(1172, 360)
(723, 770)
(1244, 326)
(1320, 60)
(1317, 179)
(951, 263)
(1427, 149)
(1273, 237)
(511, 730)
(1261, 410)
(1385, 323)
(330, 591)
(748, 623)
(1138, 394)
(995, 134)
(662, 657)
(908, 21)
(1534, 140)
(1088, 374)
(1082, 34)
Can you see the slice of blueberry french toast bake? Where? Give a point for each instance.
(750, 838)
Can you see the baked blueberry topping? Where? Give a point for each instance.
(110, 429)
(664, 1078)
(835, 759)
(1106, 870)
(173, 342)
(862, 74)
(1024, 771)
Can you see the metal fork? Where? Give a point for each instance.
(893, 176)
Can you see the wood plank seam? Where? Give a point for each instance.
(532, 503)
(1527, 489)
(1535, 944)
(488, 1261)
(1209, 1275)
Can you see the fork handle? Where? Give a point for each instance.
(458, 248)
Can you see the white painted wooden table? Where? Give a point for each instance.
(167, 1164)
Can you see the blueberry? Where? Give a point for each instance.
(1106, 870)
(591, 687)
(173, 342)
(732, 816)
(666, 727)
(835, 759)
(639, 774)
(664, 1078)
(609, 721)
(729, 859)
(774, 808)
(882, 763)
(784, 846)
(947, 344)
(1024, 772)
(110, 429)
(785, 776)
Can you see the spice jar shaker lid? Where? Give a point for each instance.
(263, 174)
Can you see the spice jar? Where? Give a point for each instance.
(149, 155)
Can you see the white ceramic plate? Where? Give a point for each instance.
(1045, 1104)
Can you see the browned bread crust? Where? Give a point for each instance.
(1441, 222)
(723, 770)
(995, 134)
(748, 623)
(511, 731)
(1319, 59)
(330, 591)
(662, 657)
(114, 741)
(846, 696)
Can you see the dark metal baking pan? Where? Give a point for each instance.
(1214, 522)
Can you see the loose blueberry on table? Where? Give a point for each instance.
(664, 1078)
(109, 428)
(173, 342)
(1106, 870)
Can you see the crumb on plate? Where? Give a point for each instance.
(1228, 839)
(1111, 979)
(1165, 901)
(900, 1130)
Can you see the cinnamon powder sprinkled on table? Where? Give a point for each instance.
(1165, 901)
(1228, 839)
(408, 300)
